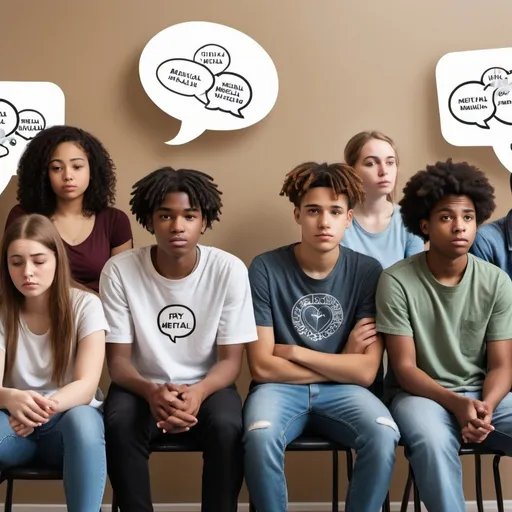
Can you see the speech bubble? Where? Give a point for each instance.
(185, 77)
(231, 93)
(9, 117)
(214, 57)
(468, 117)
(41, 102)
(30, 124)
(176, 321)
(472, 103)
(204, 42)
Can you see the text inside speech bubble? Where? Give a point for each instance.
(475, 100)
(230, 84)
(176, 321)
(9, 117)
(30, 124)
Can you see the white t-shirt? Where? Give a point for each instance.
(175, 325)
(32, 367)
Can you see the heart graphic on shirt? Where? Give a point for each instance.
(317, 318)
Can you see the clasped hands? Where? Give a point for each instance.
(474, 418)
(175, 407)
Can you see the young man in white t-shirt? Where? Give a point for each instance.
(180, 314)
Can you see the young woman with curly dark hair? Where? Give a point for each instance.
(446, 318)
(67, 175)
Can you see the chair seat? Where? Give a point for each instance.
(173, 443)
(31, 473)
(314, 443)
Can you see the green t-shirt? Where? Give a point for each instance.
(450, 324)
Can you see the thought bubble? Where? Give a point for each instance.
(28, 107)
(231, 93)
(472, 112)
(176, 321)
(225, 53)
(30, 124)
(9, 117)
(214, 57)
(185, 77)
(472, 103)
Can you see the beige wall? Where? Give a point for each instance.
(343, 66)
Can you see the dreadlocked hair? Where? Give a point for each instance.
(340, 177)
(150, 192)
(426, 188)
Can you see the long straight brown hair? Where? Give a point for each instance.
(62, 325)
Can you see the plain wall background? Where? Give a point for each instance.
(344, 66)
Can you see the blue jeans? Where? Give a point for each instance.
(276, 414)
(73, 440)
(432, 438)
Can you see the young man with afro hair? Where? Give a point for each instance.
(317, 351)
(447, 320)
(180, 314)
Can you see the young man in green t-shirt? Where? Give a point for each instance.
(447, 320)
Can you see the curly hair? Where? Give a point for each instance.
(35, 193)
(341, 178)
(426, 188)
(149, 193)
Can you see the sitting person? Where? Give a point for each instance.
(67, 175)
(180, 315)
(446, 317)
(493, 242)
(317, 351)
(52, 348)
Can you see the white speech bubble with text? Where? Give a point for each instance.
(474, 90)
(176, 321)
(26, 108)
(209, 76)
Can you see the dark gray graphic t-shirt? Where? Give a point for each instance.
(318, 314)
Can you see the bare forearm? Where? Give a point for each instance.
(417, 382)
(4, 396)
(74, 394)
(221, 375)
(124, 374)
(277, 369)
(496, 386)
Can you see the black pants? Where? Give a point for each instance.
(130, 427)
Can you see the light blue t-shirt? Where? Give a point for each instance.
(389, 246)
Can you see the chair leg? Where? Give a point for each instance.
(350, 464)
(497, 482)
(416, 492)
(115, 507)
(478, 483)
(8, 495)
(335, 481)
(251, 506)
(386, 507)
(407, 491)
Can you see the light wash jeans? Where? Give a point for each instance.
(432, 439)
(276, 414)
(73, 440)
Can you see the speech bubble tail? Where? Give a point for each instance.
(483, 124)
(188, 132)
(238, 114)
(504, 153)
(202, 98)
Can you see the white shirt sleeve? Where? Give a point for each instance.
(90, 317)
(237, 324)
(116, 308)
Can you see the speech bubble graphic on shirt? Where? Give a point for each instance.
(209, 76)
(176, 321)
(26, 108)
(474, 91)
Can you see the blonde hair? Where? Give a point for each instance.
(356, 143)
(62, 324)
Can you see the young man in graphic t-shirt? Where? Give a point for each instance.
(493, 242)
(180, 314)
(447, 319)
(317, 351)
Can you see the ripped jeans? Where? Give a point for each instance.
(276, 414)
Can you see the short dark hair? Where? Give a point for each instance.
(340, 177)
(426, 188)
(35, 193)
(149, 193)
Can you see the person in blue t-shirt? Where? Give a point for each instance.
(377, 228)
(317, 351)
(493, 242)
